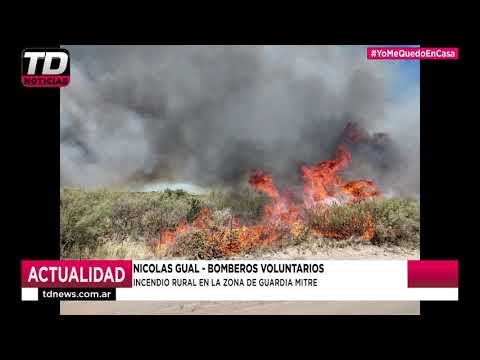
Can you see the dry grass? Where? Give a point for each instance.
(89, 219)
(106, 224)
(114, 250)
(393, 221)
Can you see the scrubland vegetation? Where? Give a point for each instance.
(108, 224)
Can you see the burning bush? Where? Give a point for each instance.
(342, 222)
(226, 223)
(331, 208)
(212, 235)
(87, 227)
(218, 243)
(195, 245)
(383, 221)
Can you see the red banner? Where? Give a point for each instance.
(433, 273)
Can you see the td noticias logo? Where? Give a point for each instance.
(45, 67)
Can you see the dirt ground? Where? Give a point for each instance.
(356, 251)
(240, 308)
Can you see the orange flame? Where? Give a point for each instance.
(321, 180)
(264, 183)
(323, 186)
(361, 189)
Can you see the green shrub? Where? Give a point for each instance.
(398, 223)
(395, 221)
(89, 218)
(85, 217)
(244, 203)
(92, 221)
(195, 207)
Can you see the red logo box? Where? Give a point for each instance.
(433, 273)
(76, 273)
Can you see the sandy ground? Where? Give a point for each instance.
(352, 252)
(240, 308)
(356, 251)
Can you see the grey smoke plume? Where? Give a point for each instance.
(208, 114)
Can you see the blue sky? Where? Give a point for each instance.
(407, 79)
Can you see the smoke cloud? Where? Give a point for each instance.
(208, 114)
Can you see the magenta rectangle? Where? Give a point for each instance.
(433, 273)
(412, 53)
(76, 273)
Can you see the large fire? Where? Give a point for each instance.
(323, 188)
